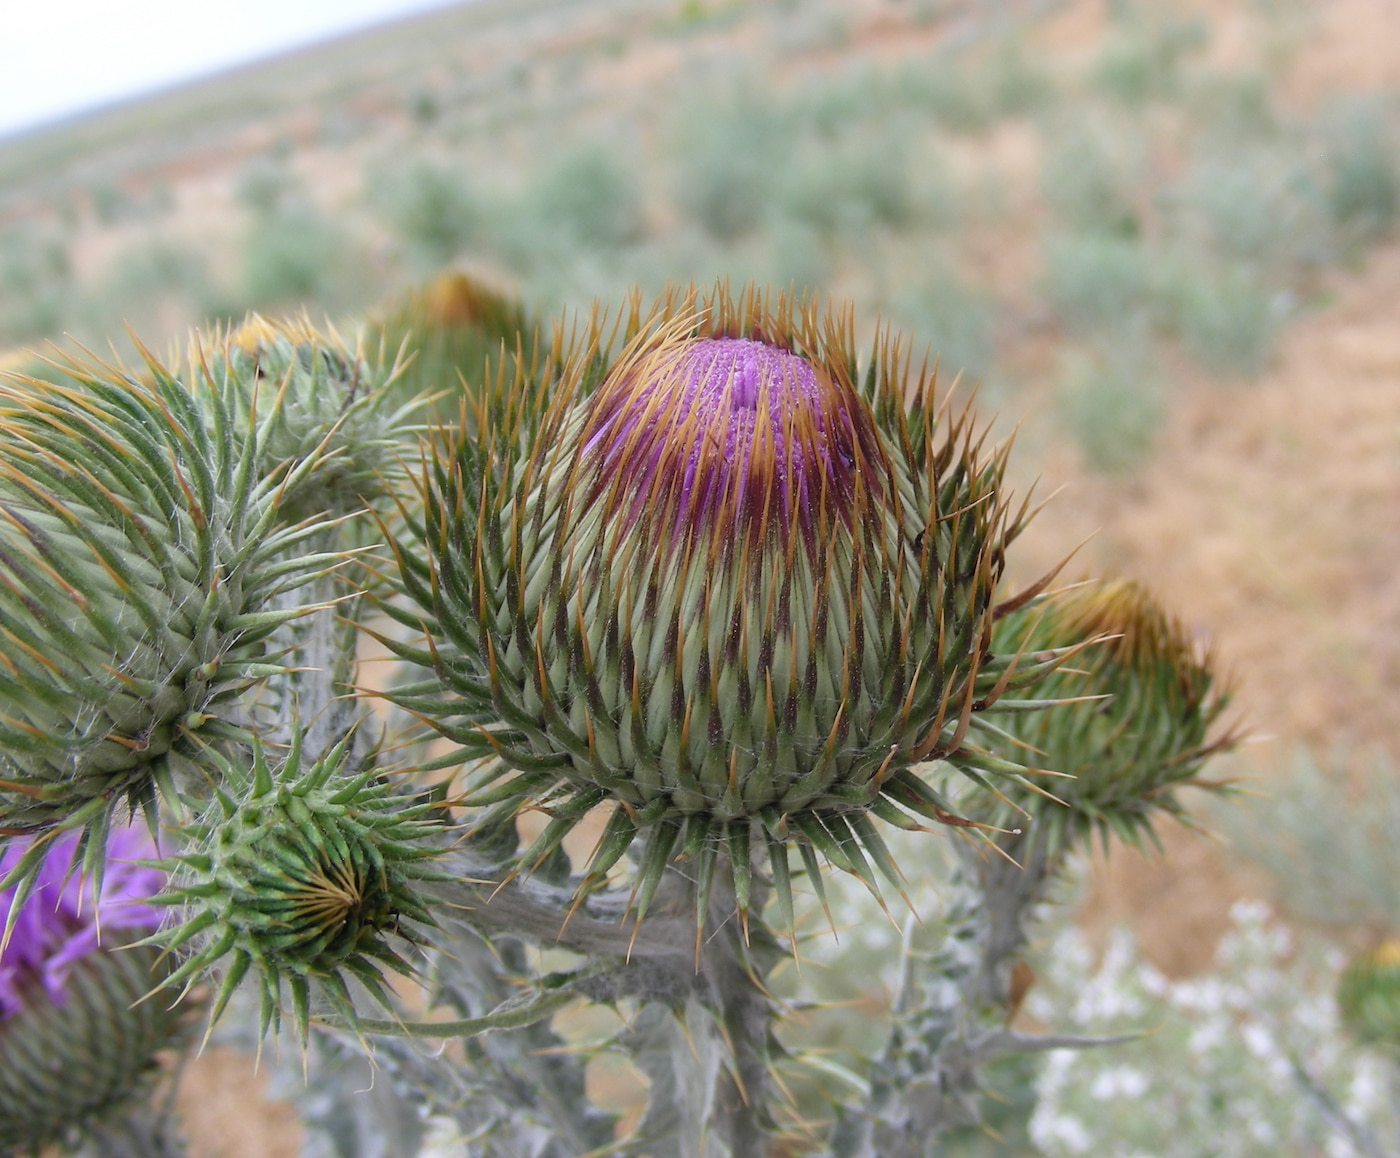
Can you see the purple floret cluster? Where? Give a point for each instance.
(691, 424)
(58, 923)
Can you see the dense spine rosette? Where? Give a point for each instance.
(302, 875)
(725, 579)
(146, 559)
(77, 1043)
(1151, 699)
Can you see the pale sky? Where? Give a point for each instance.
(59, 57)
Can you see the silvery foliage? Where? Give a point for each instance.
(1248, 1060)
(1346, 839)
(697, 1031)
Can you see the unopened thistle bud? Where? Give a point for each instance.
(145, 560)
(77, 1043)
(321, 401)
(448, 331)
(305, 876)
(726, 579)
(1150, 698)
(1368, 996)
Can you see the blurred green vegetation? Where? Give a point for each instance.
(1324, 829)
(1111, 401)
(972, 180)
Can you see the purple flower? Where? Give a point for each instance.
(723, 436)
(58, 923)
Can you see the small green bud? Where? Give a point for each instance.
(447, 332)
(1149, 698)
(302, 875)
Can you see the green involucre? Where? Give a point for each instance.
(304, 875)
(762, 652)
(1151, 699)
(65, 1067)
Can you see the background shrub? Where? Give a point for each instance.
(728, 166)
(1225, 315)
(1112, 404)
(1363, 170)
(1097, 281)
(295, 256)
(432, 209)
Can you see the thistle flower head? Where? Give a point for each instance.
(64, 916)
(75, 1041)
(727, 441)
(1368, 996)
(724, 578)
(1149, 702)
(300, 875)
(146, 558)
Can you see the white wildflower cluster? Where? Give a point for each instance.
(1215, 1071)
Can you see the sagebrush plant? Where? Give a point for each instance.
(699, 579)
(1111, 401)
(1343, 837)
(431, 207)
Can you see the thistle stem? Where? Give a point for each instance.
(321, 647)
(952, 1011)
(519, 1015)
(734, 964)
(654, 962)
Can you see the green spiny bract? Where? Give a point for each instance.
(325, 402)
(145, 560)
(67, 1065)
(724, 579)
(1151, 698)
(1368, 996)
(301, 875)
